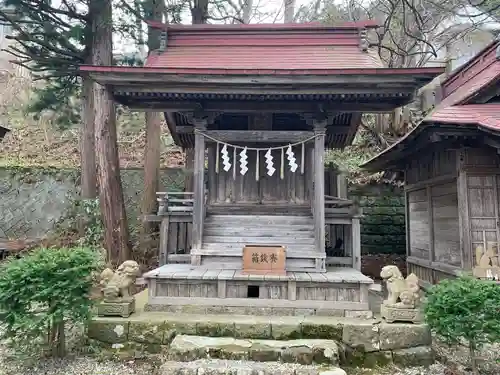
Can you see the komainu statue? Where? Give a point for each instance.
(403, 298)
(487, 262)
(116, 289)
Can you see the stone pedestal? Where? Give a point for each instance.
(119, 308)
(400, 314)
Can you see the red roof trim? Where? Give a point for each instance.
(264, 26)
(486, 116)
(471, 62)
(367, 71)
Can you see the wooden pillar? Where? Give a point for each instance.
(199, 188)
(356, 243)
(319, 185)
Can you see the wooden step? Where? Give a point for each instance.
(258, 232)
(258, 220)
(292, 240)
(235, 249)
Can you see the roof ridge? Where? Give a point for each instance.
(270, 27)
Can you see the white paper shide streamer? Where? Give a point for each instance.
(225, 159)
(269, 163)
(243, 162)
(292, 162)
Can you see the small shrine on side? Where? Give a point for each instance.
(266, 226)
(451, 168)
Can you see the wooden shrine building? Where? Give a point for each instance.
(260, 104)
(451, 168)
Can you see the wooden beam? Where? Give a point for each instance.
(353, 127)
(172, 126)
(356, 243)
(158, 105)
(266, 136)
(345, 88)
(199, 188)
(128, 78)
(319, 185)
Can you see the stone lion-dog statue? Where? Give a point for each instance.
(116, 285)
(403, 298)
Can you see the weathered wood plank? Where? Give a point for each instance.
(319, 184)
(199, 185)
(267, 136)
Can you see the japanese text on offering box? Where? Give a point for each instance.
(261, 260)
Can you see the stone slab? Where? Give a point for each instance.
(189, 348)
(123, 309)
(419, 356)
(367, 335)
(259, 311)
(231, 367)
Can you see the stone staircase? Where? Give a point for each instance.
(251, 345)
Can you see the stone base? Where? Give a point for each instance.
(122, 308)
(397, 314)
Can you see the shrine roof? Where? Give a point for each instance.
(461, 108)
(279, 47)
(275, 49)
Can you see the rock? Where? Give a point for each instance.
(231, 367)
(189, 348)
(327, 329)
(336, 371)
(252, 329)
(147, 333)
(401, 336)
(412, 357)
(362, 335)
(108, 331)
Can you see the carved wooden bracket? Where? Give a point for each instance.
(363, 40)
(201, 118)
(320, 119)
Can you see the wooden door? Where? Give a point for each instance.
(483, 203)
(232, 187)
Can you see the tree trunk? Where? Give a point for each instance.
(116, 237)
(87, 142)
(247, 11)
(151, 167)
(153, 134)
(289, 11)
(199, 14)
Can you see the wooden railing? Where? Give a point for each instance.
(175, 202)
(176, 208)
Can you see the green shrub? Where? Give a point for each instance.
(465, 310)
(40, 293)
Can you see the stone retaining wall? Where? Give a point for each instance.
(383, 224)
(33, 200)
(361, 343)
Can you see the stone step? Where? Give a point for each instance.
(187, 348)
(231, 367)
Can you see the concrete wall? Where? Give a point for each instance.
(32, 200)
